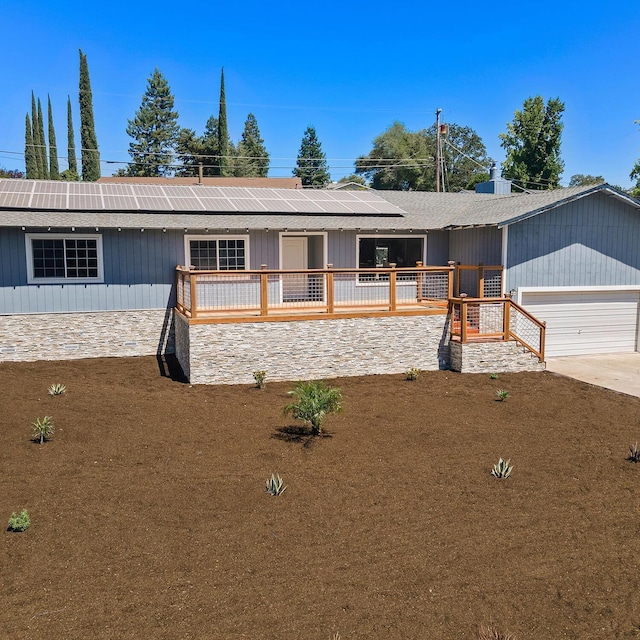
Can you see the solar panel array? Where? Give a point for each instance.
(107, 197)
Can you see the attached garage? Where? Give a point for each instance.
(584, 321)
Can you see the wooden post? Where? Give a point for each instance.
(543, 332)
(330, 298)
(457, 289)
(419, 277)
(480, 280)
(264, 291)
(463, 318)
(193, 281)
(452, 264)
(506, 318)
(392, 287)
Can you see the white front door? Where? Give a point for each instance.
(295, 255)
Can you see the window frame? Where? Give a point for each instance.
(217, 237)
(32, 279)
(397, 236)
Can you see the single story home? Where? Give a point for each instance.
(306, 283)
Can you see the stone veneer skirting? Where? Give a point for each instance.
(492, 357)
(70, 336)
(310, 349)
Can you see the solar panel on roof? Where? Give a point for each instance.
(116, 189)
(278, 206)
(11, 186)
(216, 204)
(361, 207)
(50, 187)
(85, 187)
(148, 190)
(153, 203)
(233, 193)
(14, 199)
(241, 204)
(185, 204)
(119, 203)
(85, 201)
(308, 207)
(49, 200)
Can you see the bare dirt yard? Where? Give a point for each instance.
(149, 517)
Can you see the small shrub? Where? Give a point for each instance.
(502, 469)
(259, 377)
(491, 633)
(314, 401)
(275, 485)
(502, 395)
(634, 453)
(42, 428)
(412, 374)
(57, 389)
(19, 522)
(493, 376)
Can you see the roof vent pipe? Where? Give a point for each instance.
(493, 172)
(199, 172)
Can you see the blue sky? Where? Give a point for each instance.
(349, 70)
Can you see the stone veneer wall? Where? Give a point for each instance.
(70, 336)
(492, 357)
(310, 349)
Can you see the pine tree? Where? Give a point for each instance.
(37, 142)
(532, 143)
(72, 172)
(311, 166)
(30, 160)
(54, 169)
(154, 130)
(44, 162)
(88, 140)
(253, 158)
(223, 133)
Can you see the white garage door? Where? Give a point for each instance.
(586, 322)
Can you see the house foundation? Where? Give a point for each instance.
(492, 357)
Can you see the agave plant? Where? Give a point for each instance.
(314, 401)
(502, 394)
(42, 428)
(57, 389)
(259, 377)
(503, 469)
(275, 485)
(634, 453)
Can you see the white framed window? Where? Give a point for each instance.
(377, 251)
(217, 253)
(58, 258)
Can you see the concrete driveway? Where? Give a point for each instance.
(617, 371)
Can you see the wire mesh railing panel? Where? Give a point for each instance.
(523, 328)
(490, 318)
(352, 289)
(228, 292)
(297, 290)
(433, 285)
(183, 292)
(492, 283)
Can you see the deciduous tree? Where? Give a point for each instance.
(88, 139)
(582, 180)
(154, 130)
(311, 165)
(635, 175)
(532, 143)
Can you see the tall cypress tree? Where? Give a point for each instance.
(29, 151)
(71, 143)
(223, 132)
(37, 142)
(54, 169)
(44, 162)
(88, 139)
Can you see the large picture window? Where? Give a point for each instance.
(55, 258)
(217, 254)
(377, 252)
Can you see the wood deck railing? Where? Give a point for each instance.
(499, 318)
(327, 292)
(478, 281)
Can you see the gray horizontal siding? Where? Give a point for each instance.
(593, 241)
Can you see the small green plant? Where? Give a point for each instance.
(412, 374)
(634, 453)
(19, 522)
(493, 376)
(275, 485)
(314, 401)
(57, 389)
(503, 469)
(502, 395)
(259, 377)
(491, 633)
(42, 428)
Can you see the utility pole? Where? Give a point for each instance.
(438, 152)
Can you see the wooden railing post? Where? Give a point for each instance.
(506, 318)
(457, 289)
(392, 287)
(463, 317)
(480, 280)
(419, 277)
(330, 296)
(452, 270)
(193, 281)
(264, 291)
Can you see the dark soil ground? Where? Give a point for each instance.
(150, 519)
